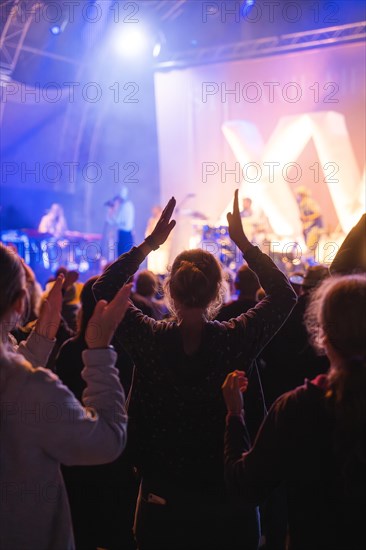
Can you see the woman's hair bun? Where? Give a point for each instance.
(195, 279)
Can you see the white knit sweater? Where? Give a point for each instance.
(42, 425)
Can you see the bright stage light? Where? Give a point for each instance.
(157, 49)
(131, 43)
(159, 44)
(58, 28)
(55, 30)
(247, 7)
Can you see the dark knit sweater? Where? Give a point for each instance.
(177, 413)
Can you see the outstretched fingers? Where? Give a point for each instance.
(54, 298)
(58, 285)
(168, 210)
(49, 318)
(165, 225)
(171, 225)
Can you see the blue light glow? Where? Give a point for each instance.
(55, 30)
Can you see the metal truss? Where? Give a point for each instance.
(16, 22)
(275, 45)
(167, 10)
(16, 17)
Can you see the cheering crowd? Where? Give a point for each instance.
(191, 459)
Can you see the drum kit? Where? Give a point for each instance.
(216, 239)
(284, 251)
(212, 238)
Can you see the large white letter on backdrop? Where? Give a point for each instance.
(290, 137)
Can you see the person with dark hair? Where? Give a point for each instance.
(71, 295)
(177, 415)
(146, 285)
(247, 286)
(313, 438)
(69, 364)
(42, 424)
(283, 365)
(289, 358)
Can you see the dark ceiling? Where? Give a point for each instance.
(180, 26)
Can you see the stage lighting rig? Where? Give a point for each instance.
(131, 43)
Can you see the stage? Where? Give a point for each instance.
(212, 98)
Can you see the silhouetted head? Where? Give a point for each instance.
(62, 270)
(336, 318)
(146, 283)
(246, 282)
(336, 321)
(313, 277)
(195, 281)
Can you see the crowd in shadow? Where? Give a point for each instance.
(160, 418)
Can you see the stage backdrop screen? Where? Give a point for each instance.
(267, 126)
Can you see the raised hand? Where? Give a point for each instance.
(106, 318)
(236, 231)
(164, 225)
(50, 316)
(70, 278)
(235, 384)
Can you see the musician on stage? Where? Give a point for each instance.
(310, 215)
(121, 216)
(54, 222)
(254, 221)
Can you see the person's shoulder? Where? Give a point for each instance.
(14, 367)
(166, 332)
(225, 311)
(307, 390)
(219, 327)
(142, 303)
(235, 308)
(303, 397)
